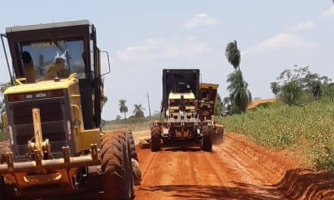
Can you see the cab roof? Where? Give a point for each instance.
(46, 26)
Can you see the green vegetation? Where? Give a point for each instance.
(219, 106)
(307, 128)
(138, 111)
(122, 107)
(240, 96)
(301, 120)
(3, 87)
(298, 86)
(132, 123)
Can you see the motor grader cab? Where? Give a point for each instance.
(206, 109)
(208, 94)
(181, 95)
(53, 113)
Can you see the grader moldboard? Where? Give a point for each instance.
(53, 118)
(188, 108)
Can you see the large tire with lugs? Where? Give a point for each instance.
(133, 151)
(206, 141)
(117, 176)
(5, 191)
(134, 158)
(155, 139)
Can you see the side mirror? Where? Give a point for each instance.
(109, 69)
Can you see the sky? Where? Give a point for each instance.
(144, 37)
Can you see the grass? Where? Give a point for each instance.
(308, 129)
(133, 126)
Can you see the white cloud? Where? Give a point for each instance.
(161, 49)
(303, 26)
(281, 41)
(328, 13)
(201, 20)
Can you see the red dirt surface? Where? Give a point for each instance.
(236, 169)
(255, 103)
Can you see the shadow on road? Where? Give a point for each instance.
(307, 185)
(182, 149)
(297, 184)
(248, 192)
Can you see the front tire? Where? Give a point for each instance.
(116, 165)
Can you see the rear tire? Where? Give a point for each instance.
(206, 141)
(117, 177)
(155, 139)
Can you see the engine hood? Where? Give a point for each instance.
(40, 86)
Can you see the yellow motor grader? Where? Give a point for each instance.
(188, 109)
(53, 117)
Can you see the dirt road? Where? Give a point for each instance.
(236, 169)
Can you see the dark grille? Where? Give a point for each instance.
(53, 124)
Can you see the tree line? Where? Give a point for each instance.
(138, 111)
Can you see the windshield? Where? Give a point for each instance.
(56, 59)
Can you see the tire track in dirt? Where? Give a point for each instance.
(226, 173)
(236, 169)
(147, 165)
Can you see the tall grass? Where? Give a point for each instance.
(308, 128)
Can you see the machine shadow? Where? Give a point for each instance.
(211, 192)
(181, 149)
(307, 184)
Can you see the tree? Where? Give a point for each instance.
(122, 107)
(219, 107)
(118, 118)
(240, 96)
(291, 93)
(239, 93)
(292, 84)
(275, 88)
(138, 111)
(233, 54)
(226, 101)
(3, 87)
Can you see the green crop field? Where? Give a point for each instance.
(306, 130)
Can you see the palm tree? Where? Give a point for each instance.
(240, 96)
(122, 107)
(138, 111)
(233, 54)
(238, 89)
